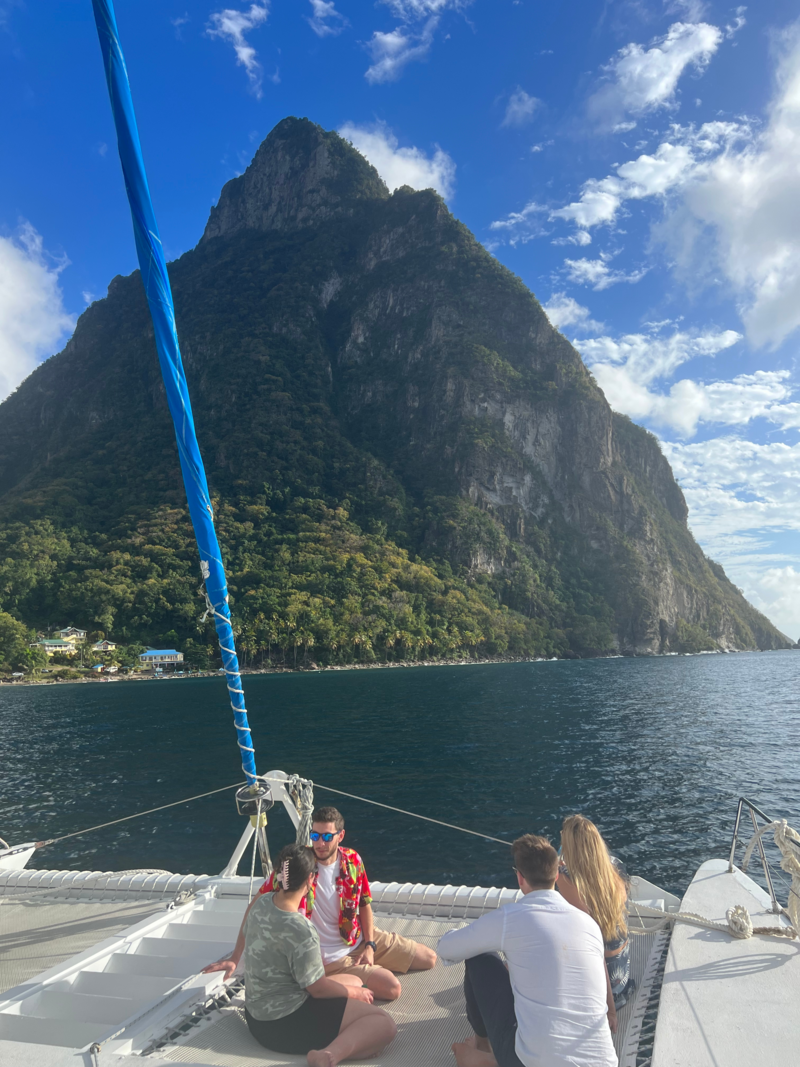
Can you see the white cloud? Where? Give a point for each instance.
(563, 310)
(325, 20)
(628, 368)
(598, 274)
(741, 210)
(392, 52)
(408, 10)
(580, 237)
(520, 110)
(737, 488)
(231, 25)
(775, 591)
(402, 166)
(742, 501)
(639, 81)
(33, 320)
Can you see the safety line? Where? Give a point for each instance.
(413, 814)
(225, 788)
(138, 815)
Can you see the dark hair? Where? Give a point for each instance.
(328, 815)
(536, 860)
(298, 863)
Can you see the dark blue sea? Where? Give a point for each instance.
(656, 751)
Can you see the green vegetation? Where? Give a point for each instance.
(16, 655)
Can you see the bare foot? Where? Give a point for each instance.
(321, 1058)
(467, 1055)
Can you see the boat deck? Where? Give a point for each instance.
(430, 1016)
(99, 958)
(727, 1002)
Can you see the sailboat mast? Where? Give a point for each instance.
(159, 297)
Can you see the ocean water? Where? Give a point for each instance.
(656, 751)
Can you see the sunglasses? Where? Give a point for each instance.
(315, 836)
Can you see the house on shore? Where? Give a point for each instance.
(72, 634)
(104, 646)
(159, 658)
(56, 645)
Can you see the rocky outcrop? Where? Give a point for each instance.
(300, 176)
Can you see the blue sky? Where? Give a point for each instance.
(636, 162)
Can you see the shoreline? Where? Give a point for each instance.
(101, 680)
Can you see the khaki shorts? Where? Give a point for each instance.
(392, 951)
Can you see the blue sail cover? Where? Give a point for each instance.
(159, 297)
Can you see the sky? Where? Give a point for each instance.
(635, 162)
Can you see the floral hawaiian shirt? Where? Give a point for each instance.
(353, 889)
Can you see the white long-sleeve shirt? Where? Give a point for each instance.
(558, 976)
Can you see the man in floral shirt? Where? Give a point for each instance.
(340, 907)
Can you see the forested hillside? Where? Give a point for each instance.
(407, 460)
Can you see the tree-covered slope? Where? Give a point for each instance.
(407, 459)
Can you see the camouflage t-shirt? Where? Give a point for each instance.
(281, 958)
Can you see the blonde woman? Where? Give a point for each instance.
(591, 880)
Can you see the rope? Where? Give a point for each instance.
(138, 815)
(787, 840)
(302, 794)
(738, 922)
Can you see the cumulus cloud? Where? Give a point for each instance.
(325, 20)
(231, 25)
(598, 274)
(520, 109)
(744, 204)
(629, 368)
(33, 320)
(392, 52)
(402, 166)
(638, 80)
(563, 310)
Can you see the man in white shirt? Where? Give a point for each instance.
(549, 1007)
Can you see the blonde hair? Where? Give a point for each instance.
(602, 888)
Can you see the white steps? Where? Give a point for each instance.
(94, 995)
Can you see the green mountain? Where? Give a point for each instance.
(407, 459)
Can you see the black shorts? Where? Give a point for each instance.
(314, 1025)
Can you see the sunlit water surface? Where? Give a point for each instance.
(656, 751)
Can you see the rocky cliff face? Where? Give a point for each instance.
(342, 342)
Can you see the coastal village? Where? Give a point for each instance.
(71, 645)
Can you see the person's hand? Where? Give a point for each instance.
(228, 966)
(359, 992)
(365, 958)
(612, 1020)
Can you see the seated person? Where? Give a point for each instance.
(591, 880)
(548, 1007)
(290, 1006)
(339, 905)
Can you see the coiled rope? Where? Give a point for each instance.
(738, 921)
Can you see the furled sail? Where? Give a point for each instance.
(159, 297)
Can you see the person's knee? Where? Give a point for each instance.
(388, 1027)
(424, 958)
(384, 985)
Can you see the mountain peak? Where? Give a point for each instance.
(300, 175)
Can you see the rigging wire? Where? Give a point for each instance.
(138, 815)
(223, 789)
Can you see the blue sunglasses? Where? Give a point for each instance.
(315, 836)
